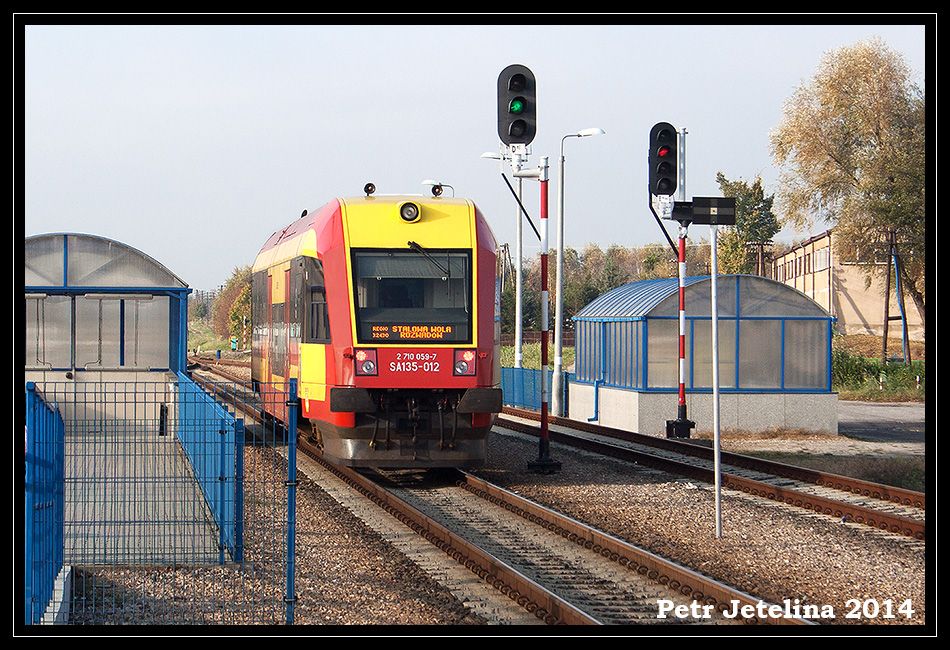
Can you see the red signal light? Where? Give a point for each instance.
(663, 151)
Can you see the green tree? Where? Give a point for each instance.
(198, 309)
(239, 316)
(655, 262)
(851, 144)
(229, 295)
(755, 224)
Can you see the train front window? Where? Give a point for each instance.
(418, 296)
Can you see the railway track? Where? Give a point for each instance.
(883, 507)
(560, 569)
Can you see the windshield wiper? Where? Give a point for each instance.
(419, 249)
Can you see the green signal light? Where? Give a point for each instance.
(516, 106)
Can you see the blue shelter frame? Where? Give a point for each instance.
(64, 267)
(622, 334)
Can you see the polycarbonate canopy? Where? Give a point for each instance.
(93, 303)
(80, 260)
(772, 337)
(757, 296)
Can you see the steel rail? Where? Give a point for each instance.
(687, 582)
(858, 486)
(848, 511)
(538, 600)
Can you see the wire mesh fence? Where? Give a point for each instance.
(176, 501)
(43, 528)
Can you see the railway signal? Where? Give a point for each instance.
(517, 105)
(662, 159)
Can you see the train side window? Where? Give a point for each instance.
(319, 322)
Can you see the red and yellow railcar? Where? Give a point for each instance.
(385, 310)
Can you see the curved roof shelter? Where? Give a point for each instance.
(757, 296)
(93, 303)
(772, 337)
(80, 260)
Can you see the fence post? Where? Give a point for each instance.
(292, 406)
(222, 509)
(30, 457)
(239, 491)
(59, 520)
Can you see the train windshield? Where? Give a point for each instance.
(419, 296)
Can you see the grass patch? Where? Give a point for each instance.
(858, 377)
(902, 471)
(201, 335)
(531, 356)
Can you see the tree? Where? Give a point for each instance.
(851, 144)
(239, 316)
(755, 224)
(198, 309)
(221, 309)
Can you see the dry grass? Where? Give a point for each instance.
(867, 345)
(769, 434)
(900, 471)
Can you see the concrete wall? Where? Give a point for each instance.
(860, 310)
(841, 290)
(648, 412)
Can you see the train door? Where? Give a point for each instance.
(288, 326)
(269, 336)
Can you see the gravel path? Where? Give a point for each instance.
(774, 553)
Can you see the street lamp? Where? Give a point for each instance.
(433, 183)
(556, 387)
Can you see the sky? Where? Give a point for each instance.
(195, 143)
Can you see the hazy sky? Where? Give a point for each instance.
(196, 143)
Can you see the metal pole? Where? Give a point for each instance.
(887, 308)
(544, 463)
(293, 404)
(713, 231)
(516, 166)
(556, 387)
(682, 165)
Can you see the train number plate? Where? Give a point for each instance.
(415, 362)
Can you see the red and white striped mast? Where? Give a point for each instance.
(681, 425)
(544, 463)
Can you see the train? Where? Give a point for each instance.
(386, 310)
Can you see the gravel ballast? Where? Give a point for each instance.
(345, 572)
(771, 551)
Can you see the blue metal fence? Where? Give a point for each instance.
(43, 553)
(208, 435)
(521, 387)
(165, 506)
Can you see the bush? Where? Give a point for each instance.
(857, 377)
(531, 353)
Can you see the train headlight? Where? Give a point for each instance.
(409, 212)
(365, 362)
(464, 363)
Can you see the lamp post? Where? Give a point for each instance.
(556, 386)
(433, 183)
